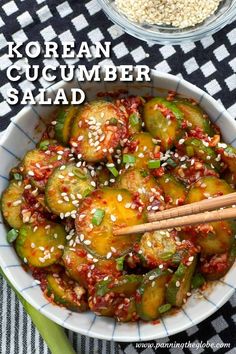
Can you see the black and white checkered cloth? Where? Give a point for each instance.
(210, 64)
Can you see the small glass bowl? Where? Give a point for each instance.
(225, 14)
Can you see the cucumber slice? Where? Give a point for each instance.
(228, 156)
(116, 204)
(97, 130)
(206, 187)
(126, 284)
(157, 247)
(11, 202)
(64, 121)
(38, 164)
(64, 186)
(151, 294)
(220, 236)
(196, 116)
(41, 246)
(216, 266)
(195, 147)
(127, 312)
(191, 171)
(174, 191)
(163, 120)
(76, 263)
(143, 146)
(64, 291)
(180, 284)
(138, 182)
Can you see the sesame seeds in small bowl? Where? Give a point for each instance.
(168, 22)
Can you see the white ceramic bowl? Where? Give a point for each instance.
(21, 136)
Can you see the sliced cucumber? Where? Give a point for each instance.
(126, 311)
(38, 164)
(216, 266)
(76, 263)
(97, 130)
(64, 291)
(142, 150)
(157, 247)
(180, 284)
(64, 121)
(126, 284)
(138, 182)
(174, 191)
(11, 203)
(194, 169)
(99, 239)
(228, 156)
(64, 186)
(220, 236)
(163, 120)
(41, 246)
(195, 147)
(206, 187)
(151, 294)
(196, 116)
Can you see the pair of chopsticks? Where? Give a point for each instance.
(191, 214)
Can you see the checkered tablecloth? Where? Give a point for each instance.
(210, 64)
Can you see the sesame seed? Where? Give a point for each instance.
(31, 173)
(113, 217)
(109, 254)
(149, 244)
(16, 203)
(119, 198)
(87, 242)
(177, 284)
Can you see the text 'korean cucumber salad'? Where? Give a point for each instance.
(106, 165)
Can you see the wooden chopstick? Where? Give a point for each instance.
(202, 218)
(195, 208)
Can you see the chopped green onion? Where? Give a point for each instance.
(102, 287)
(129, 158)
(43, 145)
(134, 119)
(197, 281)
(17, 177)
(112, 169)
(166, 256)
(190, 151)
(144, 173)
(98, 217)
(87, 192)
(152, 164)
(120, 263)
(113, 121)
(164, 308)
(78, 173)
(12, 235)
(171, 162)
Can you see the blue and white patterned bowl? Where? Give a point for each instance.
(22, 135)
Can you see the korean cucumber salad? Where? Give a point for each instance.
(105, 165)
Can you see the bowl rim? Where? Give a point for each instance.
(194, 34)
(66, 324)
